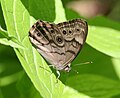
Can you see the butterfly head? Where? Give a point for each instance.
(67, 68)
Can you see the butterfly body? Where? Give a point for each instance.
(59, 43)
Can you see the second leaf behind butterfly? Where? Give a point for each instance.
(59, 43)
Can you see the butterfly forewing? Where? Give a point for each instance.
(59, 43)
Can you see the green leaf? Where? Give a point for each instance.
(94, 85)
(11, 41)
(72, 93)
(2, 22)
(26, 88)
(59, 12)
(104, 35)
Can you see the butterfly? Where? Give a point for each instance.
(59, 43)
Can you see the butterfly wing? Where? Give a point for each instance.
(49, 42)
(74, 33)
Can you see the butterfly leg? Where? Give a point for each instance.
(58, 73)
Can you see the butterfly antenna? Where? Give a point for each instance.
(83, 63)
(80, 64)
(75, 71)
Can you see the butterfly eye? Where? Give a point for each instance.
(64, 32)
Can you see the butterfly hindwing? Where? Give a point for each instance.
(74, 33)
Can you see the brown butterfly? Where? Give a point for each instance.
(59, 43)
